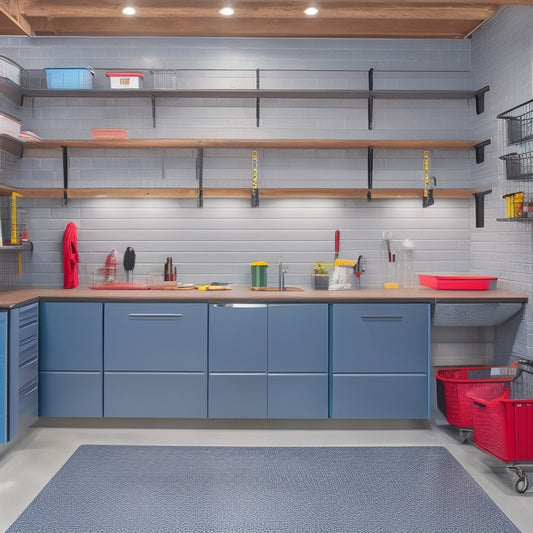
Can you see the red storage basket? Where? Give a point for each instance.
(503, 424)
(453, 385)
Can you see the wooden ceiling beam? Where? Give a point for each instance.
(11, 18)
(206, 27)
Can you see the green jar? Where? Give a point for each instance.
(259, 274)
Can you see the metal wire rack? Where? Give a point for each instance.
(518, 166)
(519, 122)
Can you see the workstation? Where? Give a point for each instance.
(261, 228)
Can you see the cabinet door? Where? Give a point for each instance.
(298, 338)
(70, 394)
(380, 338)
(238, 338)
(155, 394)
(298, 395)
(3, 377)
(23, 368)
(239, 395)
(155, 337)
(380, 396)
(71, 336)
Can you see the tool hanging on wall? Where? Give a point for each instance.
(255, 190)
(14, 231)
(429, 183)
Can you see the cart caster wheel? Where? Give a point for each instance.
(465, 435)
(521, 484)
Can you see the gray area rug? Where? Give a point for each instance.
(155, 489)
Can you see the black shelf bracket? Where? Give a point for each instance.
(370, 172)
(64, 149)
(200, 176)
(480, 99)
(479, 198)
(257, 100)
(371, 99)
(480, 151)
(153, 110)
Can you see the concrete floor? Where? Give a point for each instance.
(36, 455)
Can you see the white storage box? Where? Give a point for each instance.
(9, 70)
(9, 126)
(125, 80)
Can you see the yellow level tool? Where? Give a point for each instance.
(255, 190)
(14, 235)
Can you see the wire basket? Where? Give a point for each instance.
(519, 122)
(518, 166)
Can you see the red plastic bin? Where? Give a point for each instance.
(454, 384)
(458, 282)
(503, 424)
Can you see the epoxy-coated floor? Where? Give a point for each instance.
(36, 455)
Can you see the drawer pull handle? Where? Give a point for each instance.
(241, 306)
(156, 316)
(392, 317)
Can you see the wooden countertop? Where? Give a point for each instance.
(15, 298)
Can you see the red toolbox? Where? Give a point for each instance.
(458, 282)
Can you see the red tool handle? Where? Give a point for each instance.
(337, 243)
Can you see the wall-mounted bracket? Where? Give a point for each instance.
(200, 176)
(480, 151)
(370, 165)
(64, 149)
(480, 99)
(479, 198)
(257, 100)
(371, 99)
(153, 110)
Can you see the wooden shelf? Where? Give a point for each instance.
(235, 193)
(89, 144)
(11, 145)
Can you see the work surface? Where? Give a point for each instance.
(14, 298)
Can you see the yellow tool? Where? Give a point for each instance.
(429, 183)
(14, 235)
(255, 190)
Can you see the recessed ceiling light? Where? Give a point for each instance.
(226, 11)
(129, 11)
(311, 11)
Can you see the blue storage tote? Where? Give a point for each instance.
(69, 78)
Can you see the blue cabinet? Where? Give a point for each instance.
(155, 360)
(268, 361)
(3, 377)
(380, 360)
(71, 359)
(23, 368)
(298, 361)
(237, 361)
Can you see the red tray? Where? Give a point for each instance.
(458, 282)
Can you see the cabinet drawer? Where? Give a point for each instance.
(28, 372)
(238, 338)
(71, 336)
(380, 396)
(380, 338)
(298, 395)
(27, 406)
(28, 350)
(70, 394)
(155, 395)
(237, 396)
(155, 337)
(298, 338)
(28, 322)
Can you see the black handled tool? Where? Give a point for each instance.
(129, 262)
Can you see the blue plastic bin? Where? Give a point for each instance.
(69, 78)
